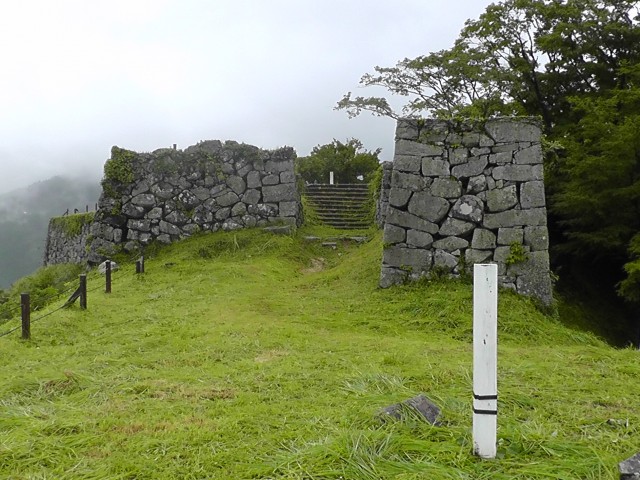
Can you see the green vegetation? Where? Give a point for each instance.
(569, 64)
(42, 285)
(249, 355)
(517, 254)
(347, 161)
(72, 225)
(119, 167)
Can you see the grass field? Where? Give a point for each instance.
(252, 356)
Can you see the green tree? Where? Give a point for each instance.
(574, 64)
(347, 161)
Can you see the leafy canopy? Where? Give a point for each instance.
(576, 65)
(348, 161)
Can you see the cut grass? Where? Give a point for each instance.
(231, 358)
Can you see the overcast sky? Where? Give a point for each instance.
(80, 76)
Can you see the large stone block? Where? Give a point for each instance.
(406, 163)
(408, 220)
(532, 194)
(392, 276)
(428, 207)
(515, 218)
(144, 200)
(251, 197)
(458, 156)
(253, 179)
(169, 228)
(408, 181)
(469, 208)
(407, 129)
(393, 234)
(477, 184)
(444, 260)
(451, 244)
(501, 158)
(507, 236)
(455, 228)
(419, 239)
(416, 149)
(506, 130)
(483, 239)
(537, 238)
(280, 193)
(473, 256)
(446, 188)
(238, 210)
(278, 166)
(529, 156)
(475, 166)
(435, 167)
(501, 199)
(288, 209)
(229, 198)
(133, 211)
(410, 259)
(273, 179)
(287, 177)
(518, 173)
(399, 197)
(177, 217)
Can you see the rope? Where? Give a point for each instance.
(10, 331)
(98, 287)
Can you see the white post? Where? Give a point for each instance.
(485, 359)
(330, 178)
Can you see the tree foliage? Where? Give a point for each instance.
(347, 161)
(576, 65)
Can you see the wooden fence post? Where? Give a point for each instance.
(83, 291)
(107, 276)
(485, 359)
(25, 305)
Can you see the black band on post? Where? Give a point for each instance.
(485, 397)
(485, 412)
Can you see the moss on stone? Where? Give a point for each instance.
(120, 166)
(72, 225)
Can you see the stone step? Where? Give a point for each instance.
(342, 206)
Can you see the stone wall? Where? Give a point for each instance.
(170, 194)
(383, 200)
(462, 194)
(67, 239)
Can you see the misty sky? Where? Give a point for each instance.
(80, 76)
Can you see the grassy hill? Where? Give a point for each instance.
(247, 355)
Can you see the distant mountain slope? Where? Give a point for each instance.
(25, 214)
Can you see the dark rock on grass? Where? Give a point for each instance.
(419, 404)
(630, 468)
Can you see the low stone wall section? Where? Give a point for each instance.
(462, 194)
(171, 194)
(67, 239)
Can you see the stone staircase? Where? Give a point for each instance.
(341, 206)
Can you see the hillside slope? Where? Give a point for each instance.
(246, 355)
(25, 215)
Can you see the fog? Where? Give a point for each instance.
(79, 77)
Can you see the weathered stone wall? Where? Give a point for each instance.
(67, 239)
(170, 194)
(462, 194)
(383, 200)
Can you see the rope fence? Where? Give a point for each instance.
(79, 293)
